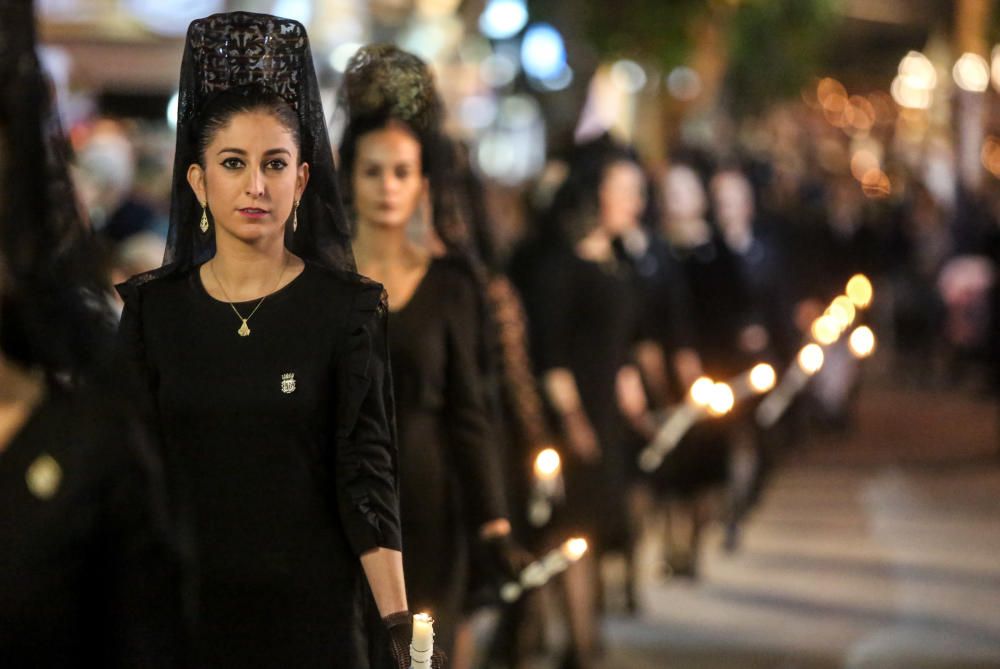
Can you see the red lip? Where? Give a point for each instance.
(253, 212)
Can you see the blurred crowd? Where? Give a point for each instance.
(617, 284)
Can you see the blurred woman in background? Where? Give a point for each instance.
(451, 486)
(583, 316)
(88, 571)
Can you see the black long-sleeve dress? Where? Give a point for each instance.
(280, 454)
(89, 574)
(449, 469)
(584, 317)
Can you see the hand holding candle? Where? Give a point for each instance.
(540, 572)
(422, 645)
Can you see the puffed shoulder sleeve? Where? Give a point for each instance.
(367, 482)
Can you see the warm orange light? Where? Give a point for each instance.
(842, 310)
(575, 548)
(862, 342)
(762, 377)
(825, 330)
(701, 391)
(862, 162)
(875, 184)
(860, 291)
(547, 464)
(811, 358)
(722, 400)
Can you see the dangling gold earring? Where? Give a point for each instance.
(295, 217)
(203, 225)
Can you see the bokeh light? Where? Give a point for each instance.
(825, 330)
(628, 75)
(862, 342)
(503, 19)
(547, 464)
(762, 377)
(543, 54)
(575, 548)
(722, 399)
(701, 391)
(971, 73)
(811, 358)
(684, 83)
(860, 291)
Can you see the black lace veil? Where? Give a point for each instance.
(54, 311)
(243, 51)
(383, 82)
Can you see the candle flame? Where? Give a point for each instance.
(844, 309)
(811, 358)
(762, 377)
(701, 391)
(860, 291)
(722, 400)
(423, 617)
(862, 342)
(826, 330)
(547, 464)
(575, 548)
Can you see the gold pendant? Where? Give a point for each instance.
(244, 330)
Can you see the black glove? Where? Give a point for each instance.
(400, 627)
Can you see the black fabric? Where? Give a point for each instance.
(448, 461)
(281, 456)
(52, 282)
(721, 306)
(241, 50)
(584, 317)
(88, 576)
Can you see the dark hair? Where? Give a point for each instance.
(431, 149)
(53, 311)
(576, 205)
(220, 109)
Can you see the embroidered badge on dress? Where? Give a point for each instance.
(288, 383)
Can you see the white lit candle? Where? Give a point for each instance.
(422, 645)
(541, 571)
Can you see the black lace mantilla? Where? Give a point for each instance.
(240, 49)
(247, 50)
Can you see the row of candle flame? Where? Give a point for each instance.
(718, 397)
(535, 575)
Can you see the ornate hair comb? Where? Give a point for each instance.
(384, 79)
(242, 49)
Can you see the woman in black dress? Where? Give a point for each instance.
(724, 338)
(450, 483)
(263, 361)
(88, 574)
(582, 311)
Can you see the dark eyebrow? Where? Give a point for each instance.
(269, 152)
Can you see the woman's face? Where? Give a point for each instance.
(622, 197)
(251, 177)
(732, 198)
(387, 180)
(683, 194)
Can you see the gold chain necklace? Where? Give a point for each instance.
(244, 329)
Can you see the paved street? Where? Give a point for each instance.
(879, 552)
